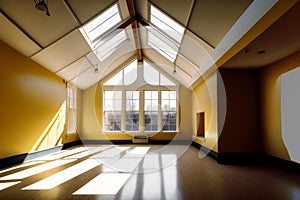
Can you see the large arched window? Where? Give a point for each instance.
(140, 98)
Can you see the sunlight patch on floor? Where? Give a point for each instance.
(26, 164)
(60, 154)
(64, 175)
(8, 184)
(111, 152)
(104, 184)
(35, 170)
(129, 162)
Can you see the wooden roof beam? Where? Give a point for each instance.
(135, 30)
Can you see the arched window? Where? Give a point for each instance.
(145, 103)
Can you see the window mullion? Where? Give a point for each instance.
(159, 111)
(123, 120)
(142, 111)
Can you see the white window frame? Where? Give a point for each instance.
(146, 87)
(71, 109)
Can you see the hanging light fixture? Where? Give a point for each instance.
(174, 70)
(42, 6)
(96, 69)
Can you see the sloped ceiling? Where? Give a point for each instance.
(214, 29)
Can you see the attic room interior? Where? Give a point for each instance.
(148, 99)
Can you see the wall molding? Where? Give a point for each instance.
(20, 158)
(206, 150)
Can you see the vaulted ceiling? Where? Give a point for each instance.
(216, 33)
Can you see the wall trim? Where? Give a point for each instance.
(130, 142)
(206, 150)
(20, 158)
(283, 164)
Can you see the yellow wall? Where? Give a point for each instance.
(92, 117)
(32, 105)
(205, 100)
(270, 105)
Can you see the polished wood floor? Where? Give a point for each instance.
(153, 173)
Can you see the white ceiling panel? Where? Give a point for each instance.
(75, 69)
(13, 36)
(87, 79)
(44, 29)
(141, 7)
(87, 9)
(212, 19)
(63, 52)
(124, 9)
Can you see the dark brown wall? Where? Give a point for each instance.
(241, 131)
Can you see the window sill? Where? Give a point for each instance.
(139, 132)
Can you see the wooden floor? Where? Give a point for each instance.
(158, 174)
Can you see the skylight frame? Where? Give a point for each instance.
(110, 49)
(102, 19)
(158, 16)
(105, 38)
(160, 34)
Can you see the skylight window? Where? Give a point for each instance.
(101, 24)
(166, 24)
(98, 33)
(106, 48)
(161, 45)
(168, 36)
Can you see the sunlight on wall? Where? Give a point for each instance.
(290, 112)
(52, 135)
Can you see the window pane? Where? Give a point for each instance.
(109, 94)
(151, 75)
(147, 95)
(165, 81)
(116, 79)
(166, 24)
(130, 73)
(165, 105)
(151, 121)
(132, 121)
(132, 100)
(172, 94)
(154, 94)
(162, 45)
(110, 46)
(112, 121)
(172, 104)
(147, 105)
(108, 104)
(165, 94)
(135, 94)
(118, 94)
(117, 104)
(101, 24)
(169, 121)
